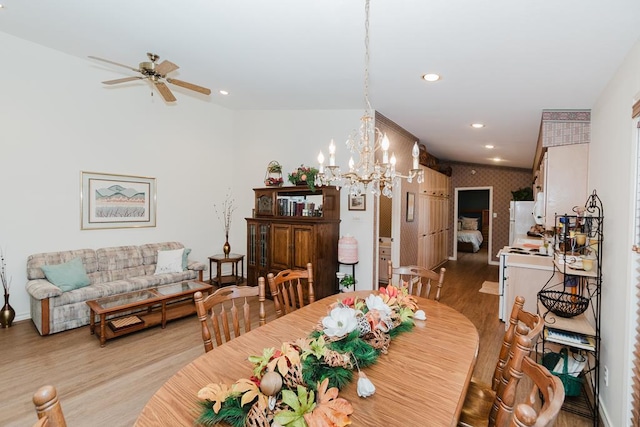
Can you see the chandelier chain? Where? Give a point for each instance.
(366, 55)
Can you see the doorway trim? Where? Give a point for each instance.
(456, 215)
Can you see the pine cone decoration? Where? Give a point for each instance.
(294, 377)
(334, 359)
(256, 417)
(378, 340)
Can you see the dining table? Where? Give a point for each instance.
(421, 381)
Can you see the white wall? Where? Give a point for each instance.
(56, 120)
(611, 173)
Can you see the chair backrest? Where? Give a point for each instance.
(215, 307)
(418, 280)
(519, 316)
(287, 289)
(48, 407)
(552, 391)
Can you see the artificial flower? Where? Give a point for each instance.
(365, 386)
(216, 394)
(419, 315)
(250, 391)
(340, 322)
(284, 358)
(330, 410)
(375, 302)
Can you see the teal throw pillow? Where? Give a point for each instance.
(68, 276)
(185, 261)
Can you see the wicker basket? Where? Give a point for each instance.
(572, 384)
(563, 304)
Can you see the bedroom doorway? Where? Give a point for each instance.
(473, 220)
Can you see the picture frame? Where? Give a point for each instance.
(357, 203)
(116, 201)
(411, 206)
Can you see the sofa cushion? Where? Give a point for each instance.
(118, 258)
(68, 275)
(169, 261)
(36, 261)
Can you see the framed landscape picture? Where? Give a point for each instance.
(117, 201)
(357, 203)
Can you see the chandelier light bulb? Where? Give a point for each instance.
(351, 164)
(415, 153)
(321, 161)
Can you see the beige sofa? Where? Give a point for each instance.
(111, 271)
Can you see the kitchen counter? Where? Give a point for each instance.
(522, 274)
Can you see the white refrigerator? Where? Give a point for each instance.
(521, 219)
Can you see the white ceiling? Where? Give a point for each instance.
(502, 61)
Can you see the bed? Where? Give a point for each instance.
(469, 240)
(473, 227)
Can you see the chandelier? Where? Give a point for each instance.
(367, 174)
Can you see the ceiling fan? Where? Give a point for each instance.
(155, 73)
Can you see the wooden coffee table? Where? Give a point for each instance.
(133, 311)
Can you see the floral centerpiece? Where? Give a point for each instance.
(297, 385)
(304, 175)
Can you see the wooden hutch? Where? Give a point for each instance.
(292, 226)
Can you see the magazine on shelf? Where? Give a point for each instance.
(585, 342)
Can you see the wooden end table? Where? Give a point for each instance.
(235, 278)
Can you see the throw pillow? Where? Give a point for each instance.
(470, 223)
(169, 261)
(67, 276)
(185, 259)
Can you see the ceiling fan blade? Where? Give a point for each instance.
(114, 63)
(165, 67)
(191, 86)
(123, 80)
(165, 92)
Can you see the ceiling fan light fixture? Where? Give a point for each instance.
(431, 77)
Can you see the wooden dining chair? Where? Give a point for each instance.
(287, 289)
(215, 308)
(418, 280)
(48, 407)
(552, 390)
(480, 397)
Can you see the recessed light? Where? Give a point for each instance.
(224, 92)
(477, 125)
(431, 77)
(497, 159)
(489, 146)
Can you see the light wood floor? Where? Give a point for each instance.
(109, 386)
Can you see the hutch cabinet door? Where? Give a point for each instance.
(257, 250)
(304, 248)
(281, 247)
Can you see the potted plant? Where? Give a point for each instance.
(347, 282)
(304, 175)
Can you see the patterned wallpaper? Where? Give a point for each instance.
(564, 127)
(401, 144)
(503, 180)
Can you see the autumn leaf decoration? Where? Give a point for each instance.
(330, 410)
